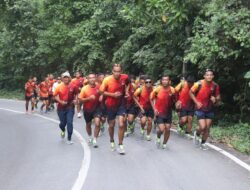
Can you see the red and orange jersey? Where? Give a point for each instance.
(79, 82)
(66, 93)
(143, 95)
(29, 88)
(182, 91)
(131, 91)
(44, 89)
(203, 93)
(51, 83)
(112, 85)
(86, 92)
(164, 99)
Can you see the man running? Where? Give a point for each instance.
(99, 80)
(78, 81)
(90, 97)
(66, 96)
(29, 94)
(162, 100)
(44, 94)
(114, 87)
(205, 94)
(58, 81)
(51, 82)
(142, 99)
(131, 108)
(35, 93)
(185, 105)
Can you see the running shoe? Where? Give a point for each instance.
(158, 142)
(112, 146)
(121, 149)
(62, 134)
(95, 145)
(90, 141)
(148, 138)
(196, 139)
(70, 142)
(164, 146)
(204, 146)
(79, 115)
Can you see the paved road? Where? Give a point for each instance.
(32, 156)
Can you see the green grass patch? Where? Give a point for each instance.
(16, 94)
(236, 136)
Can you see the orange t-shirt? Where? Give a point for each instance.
(112, 85)
(130, 101)
(144, 97)
(51, 83)
(182, 91)
(66, 93)
(29, 88)
(86, 92)
(78, 82)
(44, 89)
(164, 99)
(205, 93)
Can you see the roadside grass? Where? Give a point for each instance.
(16, 94)
(236, 136)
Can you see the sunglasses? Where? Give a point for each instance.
(148, 82)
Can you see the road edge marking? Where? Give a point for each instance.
(82, 174)
(227, 154)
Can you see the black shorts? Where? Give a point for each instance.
(89, 116)
(148, 113)
(184, 113)
(28, 98)
(204, 114)
(117, 111)
(103, 111)
(44, 98)
(164, 120)
(133, 110)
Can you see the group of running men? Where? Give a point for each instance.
(119, 98)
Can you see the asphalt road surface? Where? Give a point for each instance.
(33, 157)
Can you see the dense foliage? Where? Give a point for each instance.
(146, 36)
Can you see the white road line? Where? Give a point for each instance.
(227, 154)
(87, 153)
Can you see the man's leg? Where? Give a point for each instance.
(166, 133)
(143, 124)
(97, 126)
(122, 127)
(111, 129)
(70, 115)
(189, 124)
(63, 121)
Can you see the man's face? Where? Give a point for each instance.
(148, 83)
(100, 78)
(34, 79)
(209, 76)
(117, 72)
(51, 77)
(78, 75)
(165, 81)
(66, 80)
(59, 80)
(92, 79)
(30, 80)
(142, 82)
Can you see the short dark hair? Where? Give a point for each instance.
(208, 70)
(165, 75)
(117, 65)
(190, 78)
